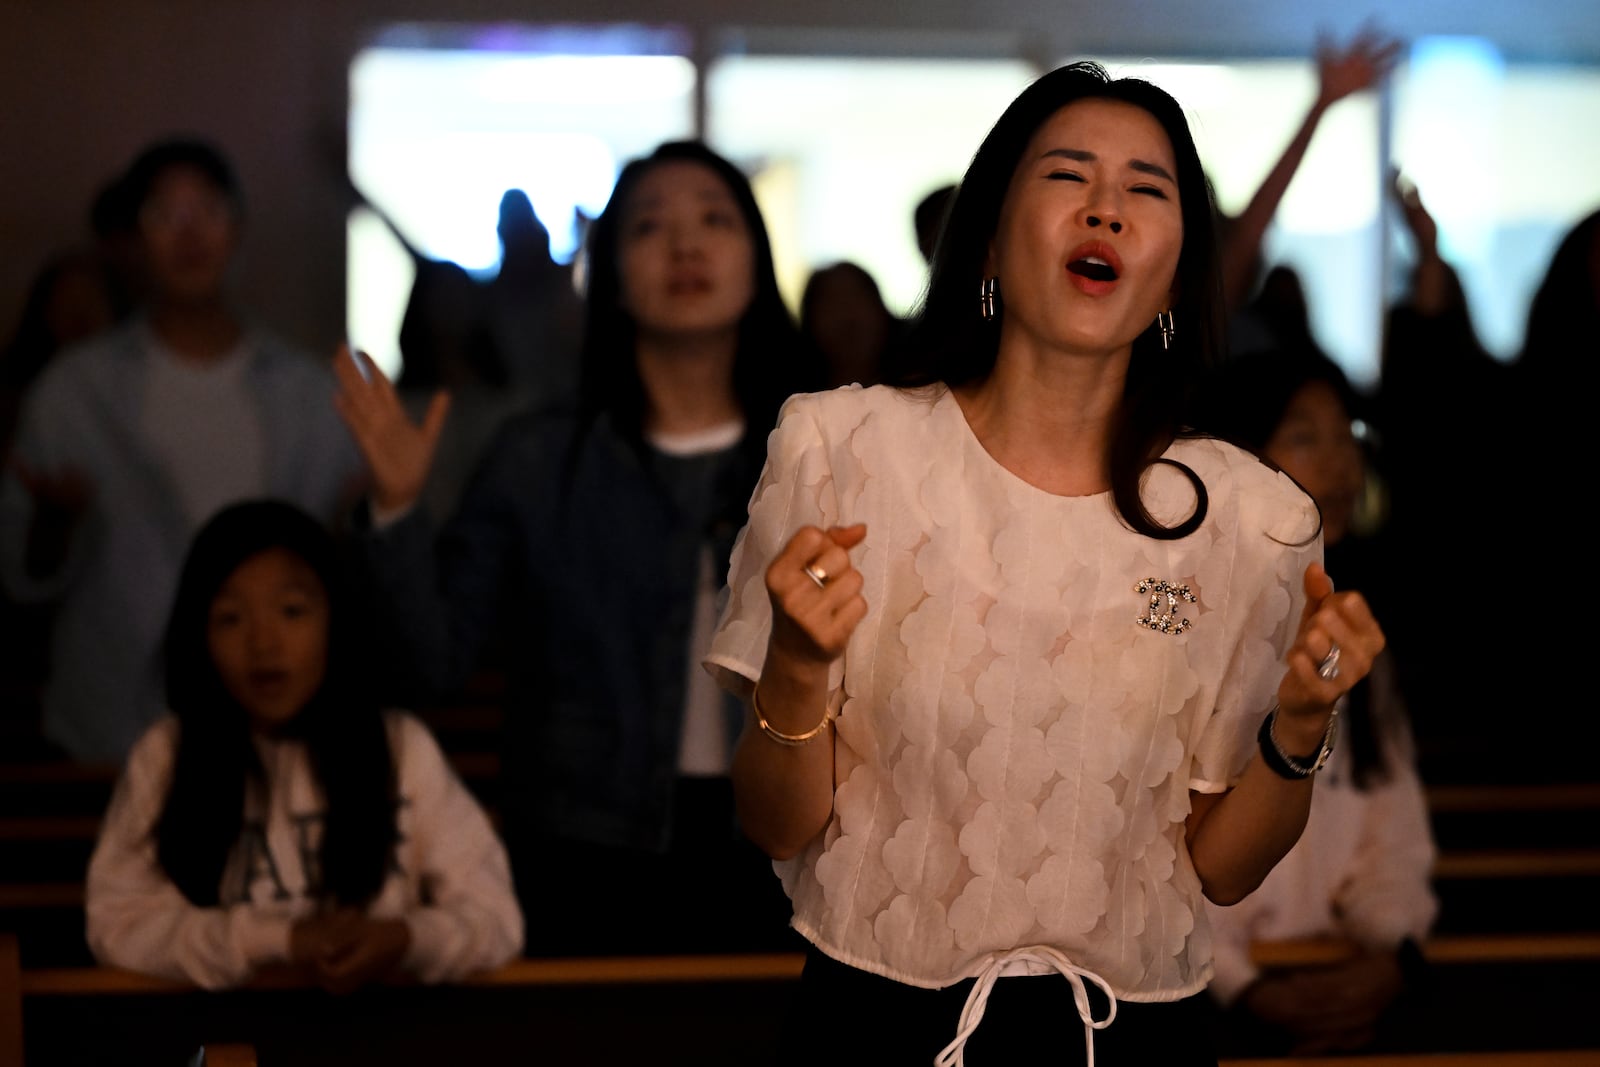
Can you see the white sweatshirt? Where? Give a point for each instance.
(451, 883)
(1362, 869)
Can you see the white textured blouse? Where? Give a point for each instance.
(1031, 697)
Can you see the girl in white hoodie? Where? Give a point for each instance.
(278, 816)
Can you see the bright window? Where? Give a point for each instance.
(443, 124)
(842, 149)
(1506, 160)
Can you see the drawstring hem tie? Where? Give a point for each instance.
(954, 1054)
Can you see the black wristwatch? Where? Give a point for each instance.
(1295, 768)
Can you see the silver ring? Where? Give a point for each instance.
(1328, 669)
(818, 575)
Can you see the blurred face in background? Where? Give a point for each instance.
(189, 231)
(848, 322)
(685, 255)
(1316, 445)
(268, 636)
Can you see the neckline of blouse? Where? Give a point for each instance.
(971, 443)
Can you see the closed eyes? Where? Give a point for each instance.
(1073, 176)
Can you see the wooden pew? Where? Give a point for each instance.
(1483, 948)
(1480, 799)
(672, 1011)
(10, 1002)
(785, 966)
(1518, 863)
(649, 979)
(1552, 1058)
(581, 971)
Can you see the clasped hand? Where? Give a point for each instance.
(345, 949)
(1328, 1009)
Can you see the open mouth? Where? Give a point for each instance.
(1094, 268)
(1096, 263)
(268, 680)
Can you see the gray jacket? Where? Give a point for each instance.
(113, 592)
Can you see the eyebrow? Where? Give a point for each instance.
(1140, 165)
(705, 197)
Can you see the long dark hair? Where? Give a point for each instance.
(949, 342)
(771, 362)
(342, 726)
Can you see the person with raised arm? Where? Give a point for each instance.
(1341, 72)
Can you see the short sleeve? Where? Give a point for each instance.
(1278, 537)
(796, 490)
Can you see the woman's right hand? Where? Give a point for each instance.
(784, 791)
(816, 595)
(399, 452)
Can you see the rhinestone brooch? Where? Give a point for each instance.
(1162, 616)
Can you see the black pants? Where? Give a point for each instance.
(844, 1016)
(712, 891)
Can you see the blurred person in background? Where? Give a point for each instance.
(278, 816)
(592, 546)
(843, 316)
(127, 443)
(1361, 872)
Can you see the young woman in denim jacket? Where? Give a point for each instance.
(599, 538)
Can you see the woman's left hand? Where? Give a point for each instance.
(1337, 641)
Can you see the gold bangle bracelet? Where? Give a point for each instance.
(778, 735)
